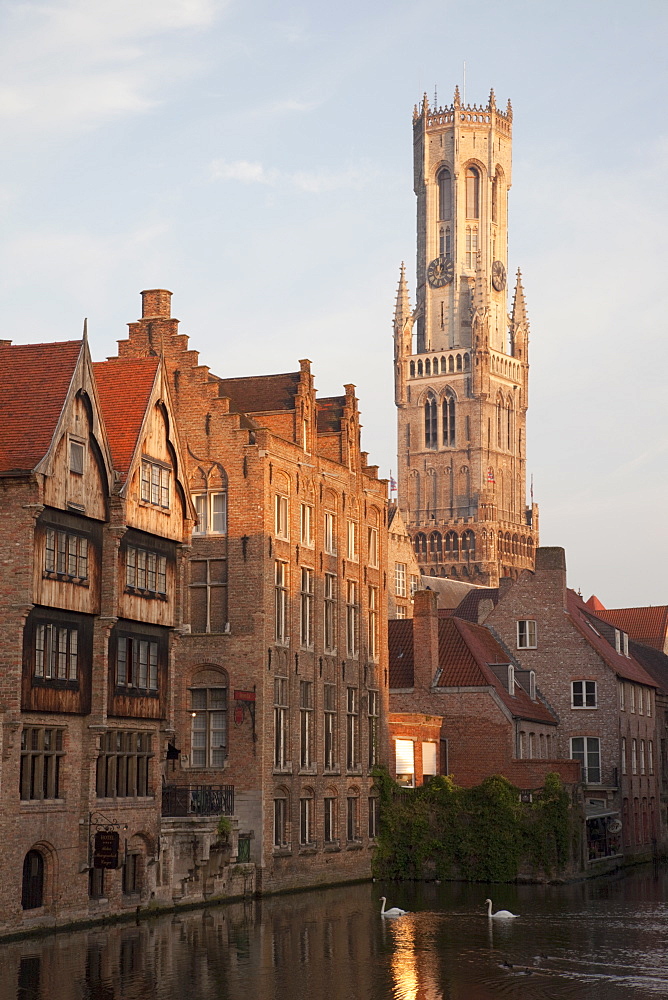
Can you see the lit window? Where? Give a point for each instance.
(209, 727)
(405, 762)
(583, 694)
(587, 749)
(352, 541)
(211, 513)
(281, 524)
(373, 623)
(155, 484)
(280, 723)
(526, 634)
(373, 728)
(400, 579)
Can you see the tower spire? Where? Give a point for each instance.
(518, 316)
(402, 307)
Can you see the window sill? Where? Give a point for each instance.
(80, 581)
(332, 772)
(354, 845)
(38, 803)
(311, 769)
(149, 595)
(355, 771)
(584, 708)
(283, 852)
(306, 849)
(283, 770)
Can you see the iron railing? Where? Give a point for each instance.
(198, 800)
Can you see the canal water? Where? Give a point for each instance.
(599, 940)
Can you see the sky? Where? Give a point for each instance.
(255, 158)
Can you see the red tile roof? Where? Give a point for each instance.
(594, 604)
(465, 655)
(468, 607)
(646, 625)
(124, 387)
(261, 393)
(34, 382)
(594, 629)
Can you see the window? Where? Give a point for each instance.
(650, 756)
(330, 820)
(280, 723)
(415, 583)
(281, 522)
(306, 608)
(373, 547)
(352, 550)
(330, 613)
(306, 838)
(132, 873)
(77, 455)
(155, 484)
(430, 423)
(642, 756)
(373, 623)
(634, 756)
(305, 724)
(429, 760)
(587, 749)
(472, 193)
(145, 570)
(648, 702)
(209, 727)
(444, 182)
(623, 755)
(405, 762)
(526, 634)
(96, 883)
(401, 611)
(471, 247)
(448, 409)
(32, 893)
(374, 814)
(281, 601)
(208, 595)
(41, 753)
(56, 653)
(305, 525)
(281, 821)
(352, 617)
(632, 698)
(583, 694)
(330, 726)
(211, 513)
(66, 553)
(352, 825)
(400, 579)
(352, 729)
(137, 663)
(123, 764)
(330, 533)
(373, 728)
(621, 696)
(639, 701)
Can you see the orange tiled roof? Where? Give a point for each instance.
(124, 387)
(468, 606)
(594, 604)
(646, 625)
(261, 393)
(594, 628)
(34, 381)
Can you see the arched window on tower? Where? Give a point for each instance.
(420, 368)
(435, 546)
(449, 419)
(472, 193)
(509, 428)
(444, 195)
(452, 545)
(427, 367)
(430, 422)
(499, 418)
(412, 369)
(495, 198)
(468, 545)
(420, 545)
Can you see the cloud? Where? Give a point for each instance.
(241, 170)
(311, 182)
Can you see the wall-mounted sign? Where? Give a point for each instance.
(105, 849)
(244, 695)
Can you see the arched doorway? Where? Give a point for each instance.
(32, 894)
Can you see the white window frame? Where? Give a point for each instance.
(584, 755)
(282, 516)
(306, 525)
(404, 754)
(372, 544)
(527, 633)
(586, 693)
(209, 719)
(352, 550)
(329, 541)
(400, 579)
(211, 521)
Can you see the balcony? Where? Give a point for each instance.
(198, 800)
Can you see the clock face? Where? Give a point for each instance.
(498, 275)
(440, 272)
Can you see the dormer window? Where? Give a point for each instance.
(77, 453)
(155, 483)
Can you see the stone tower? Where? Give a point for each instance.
(461, 361)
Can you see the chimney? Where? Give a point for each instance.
(551, 570)
(425, 638)
(156, 304)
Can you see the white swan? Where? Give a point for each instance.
(500, 914)
(395, 911)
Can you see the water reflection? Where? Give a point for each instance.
(599, 940)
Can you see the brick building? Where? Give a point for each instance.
(603, 697)
(281, 682)
(461, 705)
(94, 510)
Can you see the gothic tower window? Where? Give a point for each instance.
(471, 246)
(436, 545)
(449, 419)
(445, 195)
(472, 193)
(430, 422)
(468, 544)
(451, 364)
(420, 544)
(452, 544)
(427, 367)
(420, 369)
(495, 198)
(443, 366)
(412, 369)
(509, 429)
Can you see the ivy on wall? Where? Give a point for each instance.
(481, 834)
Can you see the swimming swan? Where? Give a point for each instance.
(500, 914)
(395, 911)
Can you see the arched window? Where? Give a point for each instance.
(430, 422)
(435, 545)
(420, 368)
(472, 193)
(451, 363)
(452, 544)
(509, 428)
(459, 362)
(467, 363)
(499, 418)
(281, 817)
(420, 544)
(515, 545)
(32, 893)
(208, 705)
(495, 198)
(412, 369)
(443, 366)
(427, 367)
(530, 547)
(444, 241)
(506, 543)
(449, 419)
(468, 544)
(444, 195)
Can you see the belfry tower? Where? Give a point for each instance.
(461, 362)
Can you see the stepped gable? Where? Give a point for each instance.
(261, 393)
(34, 382)
(648, 626)
(596, 631)
(124, 387)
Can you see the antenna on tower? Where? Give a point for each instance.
(435, 99)
(464, 83)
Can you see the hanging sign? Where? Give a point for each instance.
(105, 849)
